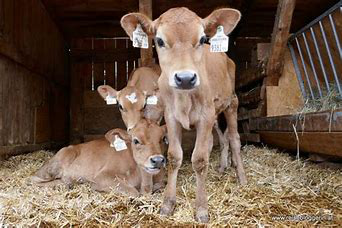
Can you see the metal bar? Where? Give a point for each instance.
(304, 67)
(337, 5)
(335, 35)
(312, 65)
(330, 59)
(298, 74)
(320, 59)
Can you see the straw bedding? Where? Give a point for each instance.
(278, 185)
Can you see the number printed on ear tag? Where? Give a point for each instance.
(140, 38)
(219, 42)
(110, 100)
(118, 144)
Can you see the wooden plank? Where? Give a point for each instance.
(145, 7)
(249, 137)
(314, 142)
(7, 151)
(286, 98)
(76, 103)
(311, 122)
(100, 56)
(280, 36)
(42, 124)
(92, 99)
(250, 97)
(100, 120)
(249, 76)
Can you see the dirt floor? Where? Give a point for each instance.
(278, 186)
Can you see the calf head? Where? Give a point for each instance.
(149, 143)
(131, 103)
(180, 35)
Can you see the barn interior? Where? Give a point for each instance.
(55, 53)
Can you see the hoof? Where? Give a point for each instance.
(167, 207)
(202, 216)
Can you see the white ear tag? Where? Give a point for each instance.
(140, 38)
(219, 42)
(152, 100)
(110, 100)
(132, 98)
(118, 144)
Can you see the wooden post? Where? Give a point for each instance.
(280, 36)
(145, 7)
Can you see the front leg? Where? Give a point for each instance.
(175, 157)
(146, 183)
(200, 160)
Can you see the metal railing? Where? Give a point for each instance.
(318, 48)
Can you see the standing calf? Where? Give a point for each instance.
(195, 85)
(142, 84)
(139, 166)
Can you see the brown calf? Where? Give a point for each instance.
(143, 85)
(196, 85)
(108, 166)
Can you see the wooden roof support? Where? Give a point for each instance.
(280, 36)
(145, 7)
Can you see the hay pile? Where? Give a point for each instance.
(331, 100)
(278, 185)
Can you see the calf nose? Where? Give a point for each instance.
(185, 79)
(157, 161)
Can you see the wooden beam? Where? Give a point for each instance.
(145, 7)
(329, 143)
(311, 122)
(280, 36)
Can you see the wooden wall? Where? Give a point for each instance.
(34, 85)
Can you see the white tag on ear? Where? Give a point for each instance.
(152, 100)
(111, 100)
(118, 144)
(140, 38)
(219, 42)
(132, 98)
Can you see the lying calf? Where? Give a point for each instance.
(128, 163)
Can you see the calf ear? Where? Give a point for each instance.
(130, 21)
(226, 17)
(110, 135)
(105, 90)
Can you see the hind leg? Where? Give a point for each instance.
(234, 139)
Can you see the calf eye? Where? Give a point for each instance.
(160, 42)
(203, 40)
(120, 107)
(165, 140)
(136, 141)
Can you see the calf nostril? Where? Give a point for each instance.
(178, 79)
(193, 79)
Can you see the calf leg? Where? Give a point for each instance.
(158, 181)
(234, 139)
(175, 157)
(200, 160)
(224, 159)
